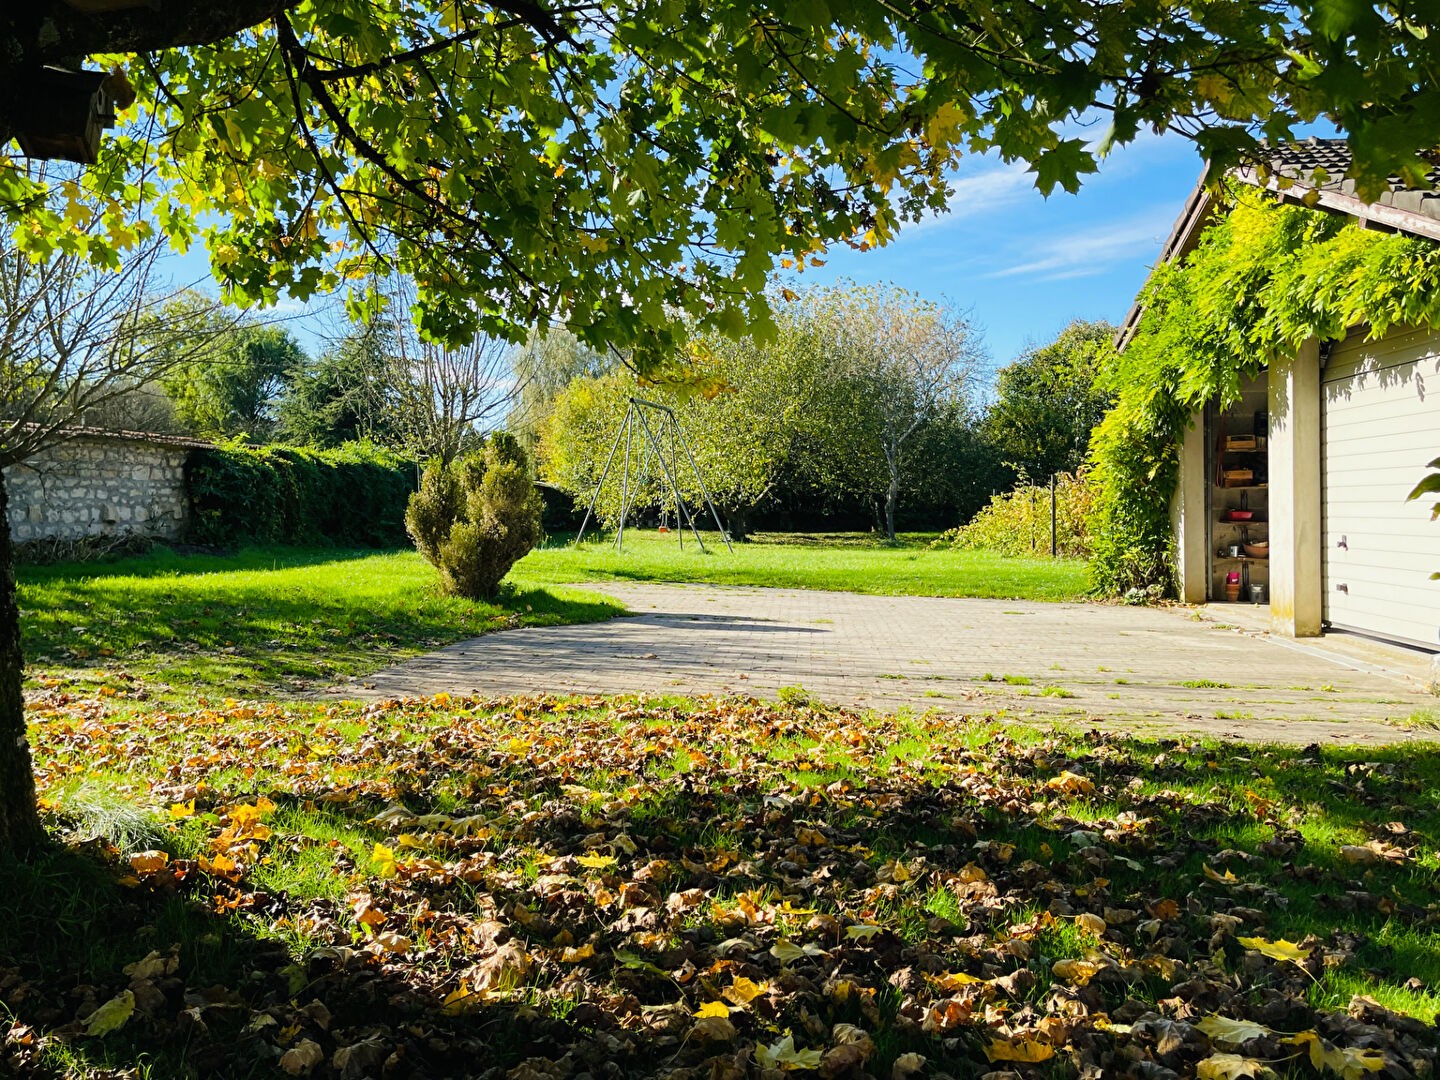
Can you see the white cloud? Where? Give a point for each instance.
(1090, 251)
(981, 192)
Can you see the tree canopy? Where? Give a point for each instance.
(1046, 403)
(610, 165)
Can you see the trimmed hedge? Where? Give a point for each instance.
(355, 494)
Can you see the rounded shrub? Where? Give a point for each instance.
(474, 518)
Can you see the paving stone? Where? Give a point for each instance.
(1119, 667)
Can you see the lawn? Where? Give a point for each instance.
(687, 889)
(289, 621)
(260, 621)
(849, 562)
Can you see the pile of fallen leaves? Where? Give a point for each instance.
(554, 890)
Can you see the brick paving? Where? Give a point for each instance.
(1116, 666)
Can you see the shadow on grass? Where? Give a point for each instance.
(227, 624)
(229, 1004)
(1162, 812)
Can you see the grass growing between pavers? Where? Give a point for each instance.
(260, 620)
(684, 888)
(846, 562)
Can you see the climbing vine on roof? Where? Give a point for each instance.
(1262, 280)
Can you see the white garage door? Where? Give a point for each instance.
(1381, 407)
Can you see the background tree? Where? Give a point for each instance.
(899, 362)
(229, 379)
(541, 369)
(346, 394)
(71, 343)
(1046, 402)
(444, 397)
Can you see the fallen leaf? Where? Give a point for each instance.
(1233, 1032)
(111, 1016)
(743, 991)
(783, 1055)
(1079, 972)
(1231, 1067)
(713, 1008)
(1030, 1050)
(148, 862)
(383, 861)
(1276, 950)
(301, 1059)
(596, 861)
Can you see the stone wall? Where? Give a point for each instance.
(97, 485)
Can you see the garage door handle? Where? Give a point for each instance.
(1342, 543)
(1342, 587)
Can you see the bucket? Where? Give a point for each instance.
(1257, 594)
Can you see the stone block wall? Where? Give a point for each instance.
(98, 485)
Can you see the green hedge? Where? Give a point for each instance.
(354, 494)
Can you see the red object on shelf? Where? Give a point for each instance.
(1239, 515)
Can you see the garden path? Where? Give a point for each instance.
(1136, 668)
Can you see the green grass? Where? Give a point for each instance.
(260, 620)
(845, 562)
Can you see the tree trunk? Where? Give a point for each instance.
(20, 828)
(892, 495)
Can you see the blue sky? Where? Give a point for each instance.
(1026, 265)
(1023, 264)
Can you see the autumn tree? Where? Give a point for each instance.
(898, 363)
(1046, 402)
(611, 166)
(549, 361)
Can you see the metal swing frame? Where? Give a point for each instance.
(649, 445)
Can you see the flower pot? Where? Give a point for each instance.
(1232, 591)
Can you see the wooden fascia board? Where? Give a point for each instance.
(1182, 239)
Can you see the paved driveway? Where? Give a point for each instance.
(1121, 666)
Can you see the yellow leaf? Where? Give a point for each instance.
(1094, 923)
(574, 956)
(713, 1008)
(596, 861)
(148, 862)
(1070, 783)
(1347, 1063)
(1078, 972)
(783, 1055)
(112, 1015)
(743, 991)
(1231, 1067)
(1224, 1030)
(1030, 1050)
(383, 860)
(182, 810)
(1276, 950)
(953, 980)
(1227, 878)
(459, 1001)
(861, 932)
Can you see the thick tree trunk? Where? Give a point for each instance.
(20, 828)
